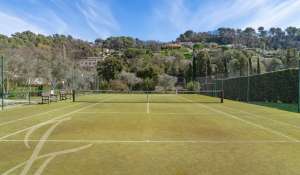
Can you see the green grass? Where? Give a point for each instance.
(118, 136)
(281, 106)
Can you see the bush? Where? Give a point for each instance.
(118, 85)
(146, 85)
(193, 86)
(167, 82)
(104, 85)
(130, 79)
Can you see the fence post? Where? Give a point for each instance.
(29, 97)
(298, 86)
(73, 95)
(2, 83)
(222, 96)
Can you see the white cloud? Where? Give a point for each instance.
(99, 17)
(50, 21)
(226, 13)
(281, 14)
(11, 24)
(44, 21)
(178, 16)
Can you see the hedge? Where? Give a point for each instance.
(280, 86)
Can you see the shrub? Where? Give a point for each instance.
(118, 85)
(104, 85)
(167, 82)
(193, 86)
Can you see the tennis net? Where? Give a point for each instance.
(112, 96)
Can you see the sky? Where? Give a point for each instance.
(161, 20)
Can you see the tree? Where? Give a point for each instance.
(249, 36)
(167, 82)
(275, 64)
(150, 72)
(189, 35)
(291, 31)
(262, 37)
(238, 61)
(262, 32)
(109, 68)
(118, 85)
(133, 53)
(258, 65)
(202, 64)
(291, 57)
(130, 78)
(193, 86)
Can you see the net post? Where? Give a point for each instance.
(73, 95)
(147, 96)
(222, 96)
(29, 97)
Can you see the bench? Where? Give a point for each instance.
(49, 97)
(62, 95)
(46, 98)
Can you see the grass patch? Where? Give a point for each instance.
(130, 138)
(281, 106)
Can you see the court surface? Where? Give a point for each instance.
(170, 135)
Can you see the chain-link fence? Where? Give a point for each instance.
(278, 88)
(20, 89)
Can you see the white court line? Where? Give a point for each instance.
(148, 104)
(154, 141)
(260, 116)
(55, 118)
(152, 113)
(246, 121)
(34, 115)
(39, 146)
(49, 155)
(148, 107)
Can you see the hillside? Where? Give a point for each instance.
(127, 63)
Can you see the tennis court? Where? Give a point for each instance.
(176, 134)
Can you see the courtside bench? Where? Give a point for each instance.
(62, 95)
(49, 97)
(46, 98)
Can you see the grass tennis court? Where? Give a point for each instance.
(173, 134)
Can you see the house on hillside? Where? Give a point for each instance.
(89, 62)
(171, 46)
(187, 44)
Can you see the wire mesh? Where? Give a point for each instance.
(112, 96)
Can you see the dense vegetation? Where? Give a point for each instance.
(274, 38)
(135, 64)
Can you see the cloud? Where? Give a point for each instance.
(11, 24)
(38, 19)
(281, 14)
(206, 17)
(99, 17)
(178, 16)
(174, 17)
(227, 13)
(50, 21)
